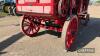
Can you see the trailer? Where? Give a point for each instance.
(63, 16)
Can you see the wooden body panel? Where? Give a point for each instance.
(36, 7)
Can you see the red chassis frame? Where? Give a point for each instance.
(53, 16)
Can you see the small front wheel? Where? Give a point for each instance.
(30, 25)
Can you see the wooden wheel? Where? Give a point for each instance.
(63, 8)
(80, 6)
(30, 25)
(69, 32)
(85, 5)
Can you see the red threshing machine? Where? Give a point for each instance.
(58, 15)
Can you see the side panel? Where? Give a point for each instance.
(35, 6)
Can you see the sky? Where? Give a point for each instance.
(1, 0)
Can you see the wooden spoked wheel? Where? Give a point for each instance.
(69, 32)
(63, 8)
(85, 5)
(80, 6)
(30, 25)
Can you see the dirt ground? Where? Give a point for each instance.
(14, 43)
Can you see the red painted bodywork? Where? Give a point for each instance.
(37, 4)
(38, 13)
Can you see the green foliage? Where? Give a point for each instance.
(98, 1)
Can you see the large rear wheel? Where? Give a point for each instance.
(69, 32)
(80, 6)
(63, 8)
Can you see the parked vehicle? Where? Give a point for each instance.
(1, 3)
(9, 6)
(58, 15)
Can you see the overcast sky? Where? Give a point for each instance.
(1, 0)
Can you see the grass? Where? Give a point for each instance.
(2, 14)
(98, 1)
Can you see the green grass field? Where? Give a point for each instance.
(2, 14)
(98, 1)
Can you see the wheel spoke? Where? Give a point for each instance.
(27, 22)
(32, 30)
(35, 27)
(28, 29)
